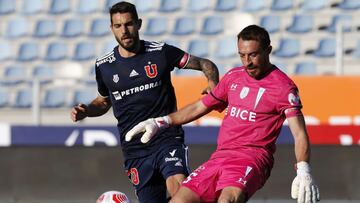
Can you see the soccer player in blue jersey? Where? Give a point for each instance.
(135, 80)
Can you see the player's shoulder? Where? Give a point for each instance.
(106, 58)
(151, 46)
(283, 78)
(235, 71)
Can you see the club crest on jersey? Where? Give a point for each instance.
(244, 92)
(293, 99)
(151, 70)
(116, 78)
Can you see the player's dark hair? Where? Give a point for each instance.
(257, 33)
(123, 7)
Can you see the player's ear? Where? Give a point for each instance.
(139, 22)
(269, 49)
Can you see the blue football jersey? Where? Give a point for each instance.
(139, 88)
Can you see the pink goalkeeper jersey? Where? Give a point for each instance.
(255, 112)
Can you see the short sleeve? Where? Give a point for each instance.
(289, 103)
(102, 89)
(176, 57)
(218, 97)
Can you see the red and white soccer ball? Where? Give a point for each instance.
(113, 197)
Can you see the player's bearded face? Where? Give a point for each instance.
(126, 30)
(254, 58)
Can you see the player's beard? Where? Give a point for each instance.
(129, 46)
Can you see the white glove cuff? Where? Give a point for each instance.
(302, 167)
(163, 122)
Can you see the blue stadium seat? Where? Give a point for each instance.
(100, 27)
(17, 27)
(349, 4)
(356, 52)
(170, 5)
(108, 4)
(143, 6)
(14, 75)
(196, 5)
(7, 7)
(199, 47)
(87, 6)
(311, 5)
(23, 98)
(282, 5)
(271, 23)
(4, 98)
(32, 7)
(84, 96)
(73, 28)
(172, 42)
(344, 19)
(301, 24)
(54, 97)
(288, 48)
(109, 46)
(281, 65)
(45, 28)
(156, 26)
(326, 48)
(44, 73)
(28, 51)
(59, 7)
(225, 5)
(6, 51)
(226, 47)
(305, 68)
(253, 6)
(184, 25)
(84, 51)
(213, 25)
(56, 51)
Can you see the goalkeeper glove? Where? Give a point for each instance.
(303, 187)
(150, 127)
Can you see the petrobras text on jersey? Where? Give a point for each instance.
(119, 95)
(243, 114)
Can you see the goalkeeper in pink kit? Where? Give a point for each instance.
(258, 97)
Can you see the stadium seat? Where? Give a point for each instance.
(344, 19)
(44, 73)
(32, 7)
(305, 68)
(156, 26)
(28, 51)
(7, 7)
(311, 5)
(172, 42)
(23, 98)
(196, 5)
(84, 51)
(56, 51)
(73, 28)
(109, 46)
(199, 47)
(100, 27)
(54, 97)
(253, 6)
(108, 4)
(59, 7)
(45, 28)
(288, 47)
(143, 6)
(271, 23)
(4, 98)
(301, 24)
(14, 75)
(6, 51)
(213, 25)
(87, 6)
(226, 47)
(326, 48)
(17, 27)
(349, 4)
(170, 5)
(184, 25)
(282, 5)
(281, 65)
(356, 52)
(84, 96)
(225, 5)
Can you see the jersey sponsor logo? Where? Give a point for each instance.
(151, 70)
(244, 92)
(116, 78)
(118, 95)
(153, 46)
(107, 58)
(167, 159)
(133, 73)
(243, 114)
(293, 99)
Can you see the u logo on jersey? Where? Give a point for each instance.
(151, 70)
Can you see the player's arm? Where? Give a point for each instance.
(152, 125)
(99, 106)
(209, 69)
(303, 187)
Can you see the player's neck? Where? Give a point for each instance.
(129, 53)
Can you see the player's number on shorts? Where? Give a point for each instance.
(193, 174)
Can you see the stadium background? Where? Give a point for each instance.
(47, 52)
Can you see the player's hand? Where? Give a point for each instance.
(78, 112)
(303, 187)
(150, 127)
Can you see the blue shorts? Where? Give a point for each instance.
(148, 174)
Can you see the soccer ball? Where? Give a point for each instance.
(113, 197)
